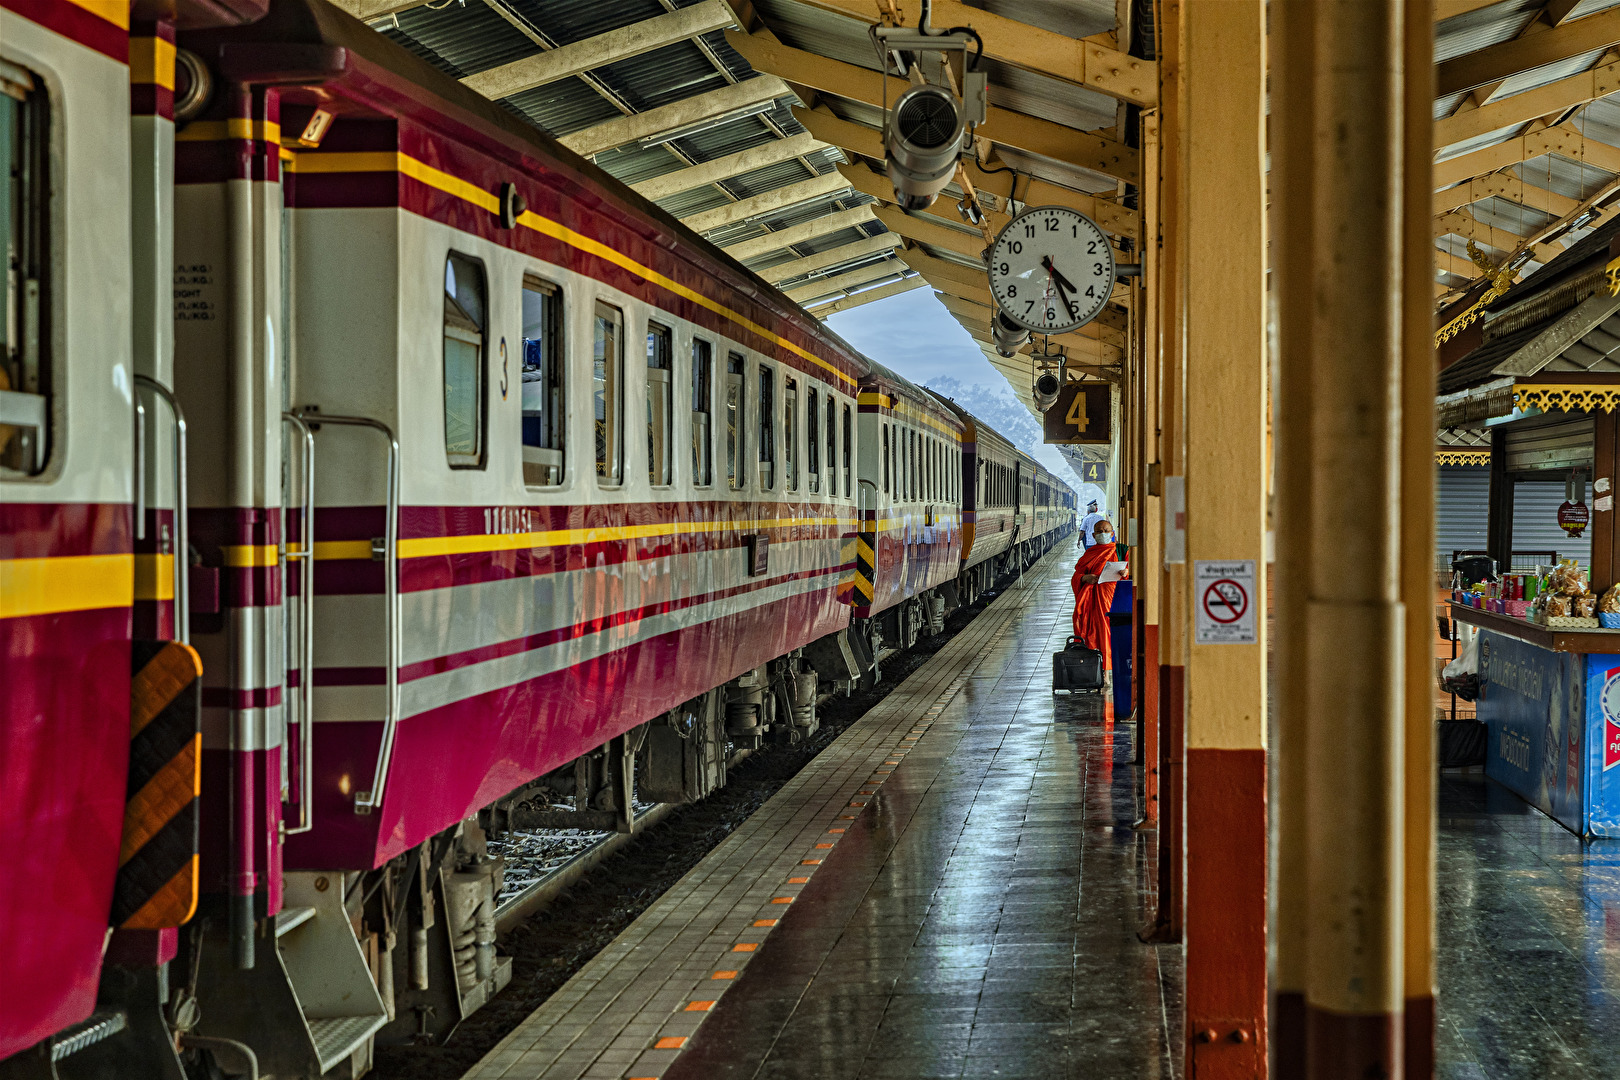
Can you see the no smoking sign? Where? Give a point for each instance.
(1224, 602)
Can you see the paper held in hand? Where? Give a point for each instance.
(1114, 571)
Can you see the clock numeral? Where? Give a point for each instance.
(1091, 247)
(1029, 230)
(1052, 224)
(1091, 291)
(1051, 316)
(1005, 269)
(1029, 306)
(1012, 290)
(1097, 270)
(1015, 246)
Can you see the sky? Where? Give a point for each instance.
(913, 334)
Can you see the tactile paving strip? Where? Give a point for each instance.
(629, 1011)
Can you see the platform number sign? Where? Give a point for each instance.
(1094, 472)
(1083, 413)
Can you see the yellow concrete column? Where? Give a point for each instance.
(1224, 225)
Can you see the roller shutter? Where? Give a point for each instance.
(1555, 442)
(1462, 503)
(1535, 521)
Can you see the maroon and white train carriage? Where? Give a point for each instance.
(503, 485)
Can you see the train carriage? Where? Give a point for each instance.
(508, 501)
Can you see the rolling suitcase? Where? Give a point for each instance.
(1077, 667)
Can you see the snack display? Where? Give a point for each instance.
(1586, 606)
(1610, 603)
(1557, 606)
(1568, 579)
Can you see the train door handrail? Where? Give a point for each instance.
(368, 800)
(182, 542)
(306, 624)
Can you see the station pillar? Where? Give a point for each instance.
(1223, 221)
(1351, 101)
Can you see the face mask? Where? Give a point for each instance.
(1105, 538)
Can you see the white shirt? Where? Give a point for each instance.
(1088, 523)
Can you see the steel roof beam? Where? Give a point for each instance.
(1530, 105)
(636, 39)
(722, 169)
(1507, 186)
(674, 116)
(1495, 63)
(979, 295)
(1008, 41)
(1462, 223)
(832, 257)
(755, 246)
(800, 191)
(1030, 134)
(844, 282)
(882, 292)
(1562, 140)
(868, 142)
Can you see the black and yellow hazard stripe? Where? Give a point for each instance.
(157, 862)
(865, 565)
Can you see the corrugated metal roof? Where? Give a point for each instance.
(1475, 30)
(632, 164)
(1572, 179)
(1541, 76)
(564, 107)
(1075, 18)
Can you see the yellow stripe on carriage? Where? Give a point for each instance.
(66, 583)
(469, 192)
(428, 546)
(239, 555)
(114, 11)
(154, 576)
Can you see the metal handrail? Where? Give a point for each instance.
(306, 619)
(182, 540)
(367, 801)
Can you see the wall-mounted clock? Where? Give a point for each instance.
(1051, 270)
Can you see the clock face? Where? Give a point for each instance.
(1051, 270)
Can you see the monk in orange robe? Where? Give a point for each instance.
(1093, 598)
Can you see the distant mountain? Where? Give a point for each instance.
(998, 408)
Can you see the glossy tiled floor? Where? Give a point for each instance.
(1529, 941)
(951, 889)
(978, 920)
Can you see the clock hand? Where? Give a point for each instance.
(1062, 283)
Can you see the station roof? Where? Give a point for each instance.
(758, 124)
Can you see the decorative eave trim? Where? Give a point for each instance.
(1555, 301)
(1467, 408)
(1565, 397)
(1462, 457)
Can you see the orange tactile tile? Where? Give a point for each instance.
(724, 975)
(810, 862)
(828, 845)
(700, 1006)
(670, 1042)
(745, 946)
(835, 830)
(797, 880)
(764, 922)
(781, 899)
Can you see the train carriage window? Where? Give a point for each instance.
(849, 488)
(607, 393)
(832, 444)
(660, 404)
(790, 432)
(736, 418)
(465, 402)
(702, 413)
(25, 369)
(544, 400)
(885, 459)
(766, 436)
(812, 439)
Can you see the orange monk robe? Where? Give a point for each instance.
(1091, 602)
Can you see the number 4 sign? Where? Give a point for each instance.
(1083, 413)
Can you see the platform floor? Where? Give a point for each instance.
(1529, 941)
(952, 889)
